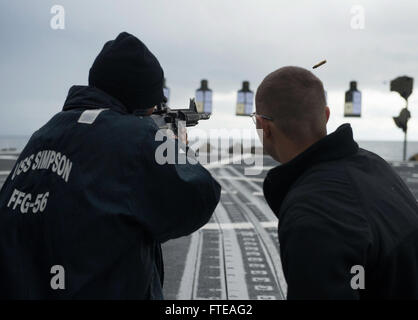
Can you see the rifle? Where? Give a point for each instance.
(167, 118)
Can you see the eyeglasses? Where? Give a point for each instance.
(254, 117)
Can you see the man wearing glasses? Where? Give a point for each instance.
(348, 224)
(254, 116)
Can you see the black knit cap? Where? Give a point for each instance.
(128, 71)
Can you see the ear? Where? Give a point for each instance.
(151, 110)
(327, 113)
(266, 127)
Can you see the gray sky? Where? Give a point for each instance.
(223, 41)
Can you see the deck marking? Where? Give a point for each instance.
(187, 281)
(266, 242)
(8, 157)
(197, 264)
(240, 178)
(259, 203)
(234, 267)
(222, 258)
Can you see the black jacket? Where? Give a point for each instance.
(102, 212)
(340, 206)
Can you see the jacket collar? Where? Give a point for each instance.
(87, 97)
(279, 180)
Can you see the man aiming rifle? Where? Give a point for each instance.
(87, 197)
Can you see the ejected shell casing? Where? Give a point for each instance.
(319, 64)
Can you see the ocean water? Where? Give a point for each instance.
(389, 150)
(16, 142)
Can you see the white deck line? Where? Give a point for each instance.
(197, 262)
(235, 272)
(271, 248)
(8, 157)
(240, 178)
(222, 271)
(187, 281)
(237, 225)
